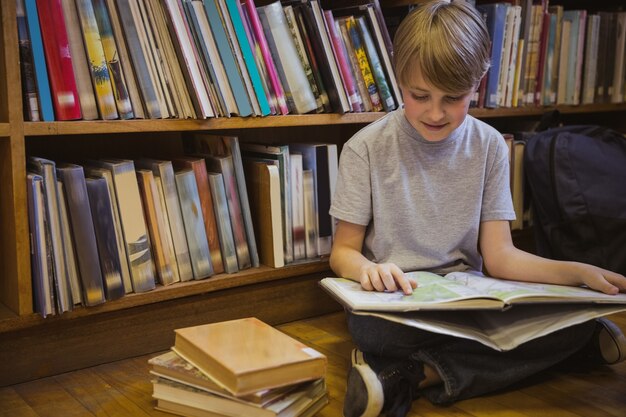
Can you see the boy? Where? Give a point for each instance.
(427, 188)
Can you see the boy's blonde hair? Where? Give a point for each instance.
(448, 41)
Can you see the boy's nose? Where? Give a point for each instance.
(436, 112)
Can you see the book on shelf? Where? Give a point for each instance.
(278, 153)
(98, 65)
(164, 171)
(592, 42)
(83, 231)
(69, 246)
(321, 100)
(194, 224)
(353, 61)
(186, 400)
(256, 31)
(247, 355)
(495, 18)
(233, 73)
(47, 169)
(297, 204)
(619, 70)
(96, 172)
(86, 96)
(164, 257)
(310, 214)
(227, 145)
(41, 266)
(133, 222)
(296, 86)
(198, 166)
(500, 314)
(106, 240)
(225, 166)
(224, 227)
(264, 187)
(116, 71)
(58, 60)
(27, 66)
(235, 15)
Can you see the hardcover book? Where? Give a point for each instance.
(165, 171)
(81, 218)
(198, 166)
(104, 227)
(69, 247)
(194, 224)
(47, 169)
(248, 355)
(155, 219)
(58, 60)
(133, 223)
(224, 228)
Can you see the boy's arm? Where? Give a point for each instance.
(503, 260)
(347, 261)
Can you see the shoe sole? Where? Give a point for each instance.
(375, 396)
(612, 342)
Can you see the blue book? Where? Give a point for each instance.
(41, 71)
(572, 61)
(226, 53)
(248, 57)
(495, 14)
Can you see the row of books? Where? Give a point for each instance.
(240, 367)
(105, 228)
(120, 59)
(544, 55)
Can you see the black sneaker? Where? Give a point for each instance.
(391, 391)
(609, 342)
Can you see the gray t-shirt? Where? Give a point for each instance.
(422, 202)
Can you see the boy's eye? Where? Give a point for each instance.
(454, 98)
(419, 97)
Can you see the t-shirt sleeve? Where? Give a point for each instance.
(497, 201)
(352, 201)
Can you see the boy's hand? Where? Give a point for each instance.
(385, 277)
(601, 279)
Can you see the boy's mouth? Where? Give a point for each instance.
(434, 127)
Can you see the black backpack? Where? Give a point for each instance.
(577, 180)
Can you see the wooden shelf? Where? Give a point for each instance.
(5, 130)
(11, 322)
(223, 123)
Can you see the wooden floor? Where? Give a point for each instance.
(123, 388)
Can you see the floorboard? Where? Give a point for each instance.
(123, 388)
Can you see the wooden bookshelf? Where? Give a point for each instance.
(32, 347)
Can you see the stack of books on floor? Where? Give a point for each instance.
(241, 367)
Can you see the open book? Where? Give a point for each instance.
(461, 291)
(478, 308)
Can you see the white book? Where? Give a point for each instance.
(224, 228)
(68, 248)
(167, 232)
(591, 59)
(300, 97)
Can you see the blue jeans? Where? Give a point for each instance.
(467, 368)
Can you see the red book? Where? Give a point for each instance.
(59, 61)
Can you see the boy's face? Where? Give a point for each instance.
(435, 114)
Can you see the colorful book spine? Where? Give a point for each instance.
(376, 65)
(496, 16)
(97, 61)
(342, 61)
(39, 60)
(248, 57)
(118, 79)
(257, 30)
(364, 64)
(27, 67)
(59, 61)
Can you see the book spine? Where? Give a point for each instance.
(342, 62)
(100, 75)
(68, 247)
(364, 64)
(39, 60)
(377, 67)
(257, 30)
(27, 67)
(116, 72)
(59, 61)
(220, 206)
(248, 57)
(104, 227)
